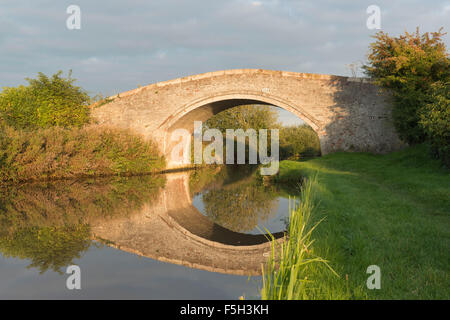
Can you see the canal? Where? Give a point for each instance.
(198, 234)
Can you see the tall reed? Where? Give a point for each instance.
(292, 260)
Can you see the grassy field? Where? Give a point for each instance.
(392, 211)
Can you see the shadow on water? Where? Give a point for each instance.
(51, 224)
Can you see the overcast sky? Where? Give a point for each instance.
(123, 44)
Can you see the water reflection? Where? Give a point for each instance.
(237, 198)
(51, 224)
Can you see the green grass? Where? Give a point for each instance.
(387, 210)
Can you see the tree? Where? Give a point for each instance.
(45, 102)
(298, 141)
(409, 65)
(245, 117)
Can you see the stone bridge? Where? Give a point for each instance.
(348, 114)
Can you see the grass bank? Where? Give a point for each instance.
(392, 211)
(56, 153)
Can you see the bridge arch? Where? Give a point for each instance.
(241, 98)
(204, 108)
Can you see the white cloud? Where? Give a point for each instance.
(91, 61)
(446, 8)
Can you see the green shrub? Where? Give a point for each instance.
(409, 65)
(45, 102)
(435, 119)
(56, 152)
(298, 141)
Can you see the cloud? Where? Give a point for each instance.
(120, 46)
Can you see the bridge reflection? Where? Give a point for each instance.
(171, 229)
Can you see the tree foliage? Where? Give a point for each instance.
(295, 141)
(409, 65)
(435, 119)
(245, 117)
(298, 141)
(45, 102)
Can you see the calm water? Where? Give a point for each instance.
(187, 235)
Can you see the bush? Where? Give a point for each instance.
(45, 102)
(409, 65)
(298, 141)
(63, 153)
(435, 120)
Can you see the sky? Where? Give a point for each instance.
(125, 44)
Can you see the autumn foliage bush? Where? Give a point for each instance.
(416, 69)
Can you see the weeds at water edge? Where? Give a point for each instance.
(285, 275)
